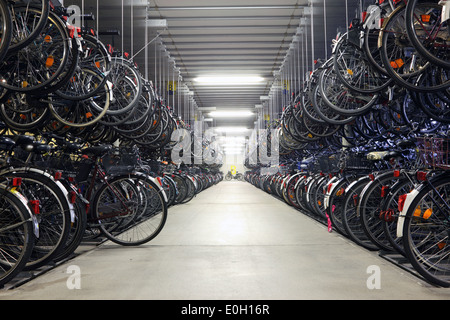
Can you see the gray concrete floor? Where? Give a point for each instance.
(232, 241)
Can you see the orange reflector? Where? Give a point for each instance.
(89, 115)
(397, 63)
(417, 212)
(49, 62)
(425, 17)
(48, 39)
(427, 214)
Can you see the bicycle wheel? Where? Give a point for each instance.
(354, 70)
(5, 29)
(131, 210)
(23, 113)
(190, 189)
(340, 99)
(369, 210)
(30, 18)
(41, 62)
(52, 210)
(17, 235)
(350, 219)
(403, 62)
(83, 113)
(426, 230)
(428, 33)
(335, 204)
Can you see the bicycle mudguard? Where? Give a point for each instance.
(445, 10)
(401, 218)
(161, 190)
(24, 201)
(47, 175)
(334, 182)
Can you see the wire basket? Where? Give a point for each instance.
(434, 152)
(124, 161)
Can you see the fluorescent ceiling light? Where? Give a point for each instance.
(228, 80)
(232, 129)
(231, 114)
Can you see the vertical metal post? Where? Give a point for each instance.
(325, 28)
(313, 54)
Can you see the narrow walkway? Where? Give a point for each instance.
(232, 241)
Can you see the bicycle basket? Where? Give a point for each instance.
(434, 152)
(123, 162)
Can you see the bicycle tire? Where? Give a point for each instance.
(150, 210)
(16, 233)
(422, 237)
(440, 57)
(6, 29)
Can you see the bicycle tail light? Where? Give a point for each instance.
(72, 197)
(17, 182)
(34, 205)
(401, 202)
(421, 175)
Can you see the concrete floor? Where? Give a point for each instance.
(232, 242)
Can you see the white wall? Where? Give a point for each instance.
(233, 160)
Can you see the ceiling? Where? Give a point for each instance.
(218, 37)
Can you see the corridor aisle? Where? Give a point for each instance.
(233, 241)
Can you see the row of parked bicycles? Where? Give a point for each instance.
(64, 79)
(364, 147)
(85, 143)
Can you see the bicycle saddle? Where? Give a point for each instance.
(97, 151)
(41, 148)
(6, 143)
(72, 147)
(22, 140)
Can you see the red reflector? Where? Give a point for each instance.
(17, 182)
(372, 177)
(401, 202)
(396, 173)
(34, 204)
(355, 199)
(364, 16)
(58, 175)
(384, 190)
(329, 187)
(72, 197)
(421, 176)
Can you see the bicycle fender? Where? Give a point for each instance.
(161, 190)
(401, 218)
(24, 201)
(326, 199)
(445, 10)
(58, 183)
